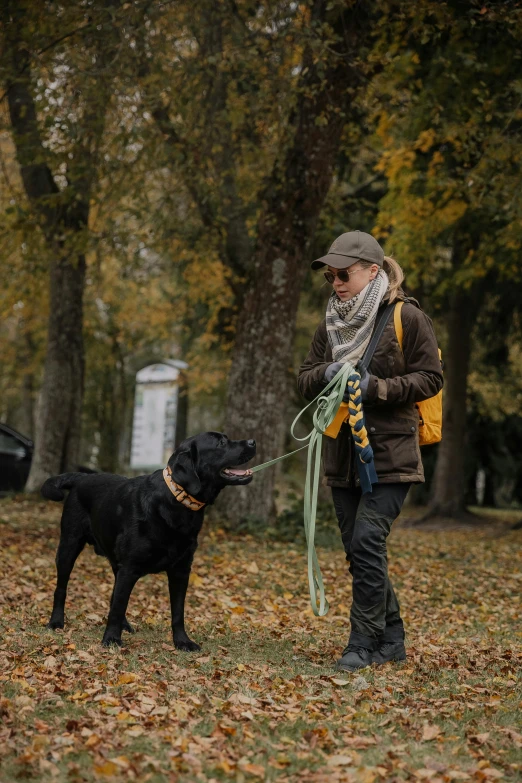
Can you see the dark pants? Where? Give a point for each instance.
(365, 522)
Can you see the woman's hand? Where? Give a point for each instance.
(330, 373)
(332, 370)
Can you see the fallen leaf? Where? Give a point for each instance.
(180, 709)
(126, 678)
(135, 731)
(40, 741)
(121, 761)
(253, 769)
(339, 761)
(79, 696)
(514, 736)
(107, 768)
(160, 711)
(360, 683)
(230, 730)
(360, 742)
(366, 774)
(429, 732)
(479, 739)
(240, 698)
(85, 656)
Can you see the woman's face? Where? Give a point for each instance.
(359, 277)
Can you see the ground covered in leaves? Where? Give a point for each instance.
(261, 700)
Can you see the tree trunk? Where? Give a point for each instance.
(57, 431)
(26, 412)
(262, 356)
(449, 483)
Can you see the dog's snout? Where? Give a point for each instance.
(251, 443)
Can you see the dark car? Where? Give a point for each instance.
(16, 454)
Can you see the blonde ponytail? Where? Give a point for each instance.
(395, 276)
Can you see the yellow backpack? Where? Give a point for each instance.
(430, 410)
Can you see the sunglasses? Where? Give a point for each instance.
(342, 274)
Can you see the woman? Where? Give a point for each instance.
(364, 282)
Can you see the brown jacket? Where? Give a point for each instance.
(398, 379)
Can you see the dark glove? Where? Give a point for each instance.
(332, 370)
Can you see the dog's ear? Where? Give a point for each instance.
(185, 470)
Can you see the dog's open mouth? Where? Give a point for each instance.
(236, 472)
(239, 473)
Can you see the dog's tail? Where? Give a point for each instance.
(52, 489)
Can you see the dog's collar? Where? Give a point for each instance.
(179, 493)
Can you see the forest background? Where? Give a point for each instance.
(168, 171)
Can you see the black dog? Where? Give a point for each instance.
(145, 525)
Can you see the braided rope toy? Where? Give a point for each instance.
(359, 433)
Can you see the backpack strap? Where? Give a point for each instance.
(397, 321)
(364, 363)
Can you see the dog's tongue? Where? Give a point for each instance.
(236, 471)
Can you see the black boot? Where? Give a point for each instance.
(391, 646)
(358, 654)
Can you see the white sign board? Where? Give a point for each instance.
(155, 409)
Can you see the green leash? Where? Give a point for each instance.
(328, 402)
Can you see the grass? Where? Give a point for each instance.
(261, 701)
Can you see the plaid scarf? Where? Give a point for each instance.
(349, 324)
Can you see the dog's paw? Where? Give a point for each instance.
(187, 645)
(127, 627)
(54, 624)
(108, 640)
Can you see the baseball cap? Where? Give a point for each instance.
(349, 248)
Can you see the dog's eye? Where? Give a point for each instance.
(223, 442)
